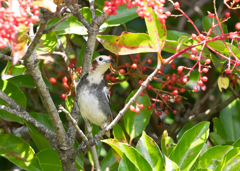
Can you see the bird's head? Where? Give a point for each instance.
(101, 64)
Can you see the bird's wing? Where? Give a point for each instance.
(107, 95)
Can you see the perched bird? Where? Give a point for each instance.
(93, 94)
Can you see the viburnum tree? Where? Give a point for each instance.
(174, 87)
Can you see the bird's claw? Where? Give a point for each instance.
(83, 147)
(95, 140)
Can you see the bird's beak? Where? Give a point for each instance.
(109, 61)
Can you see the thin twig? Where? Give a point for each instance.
(9, 58)
(92, 10)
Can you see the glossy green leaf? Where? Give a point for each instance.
(237, 143)
(22, 81)
(213, 156)
(218, 128)
(186, 127)
(17, 95)
(207, 24)
(123, 15)
(151, 152)
(48, 84)
(203, 170)
(109, 161)
(43, 119)
(216, 139)
(37, 138)
(167, 144)
(47, 43)
(127, 43)
(119, 133)
(127, 165)
(156, 30)
(18, 152)
(11, 70)
(230, 119)
(135, 123)
(170, 165)
(190, 145)
(131, 153)
(49, 160)
(69, 103)
(231, 161)
(72, 26)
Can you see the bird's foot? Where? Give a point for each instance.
(82, 146)
(95, 140)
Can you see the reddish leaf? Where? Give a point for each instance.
(48, 4)
(127, 43)
(19, 43)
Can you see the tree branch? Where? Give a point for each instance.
(92, 10)
(9, 58)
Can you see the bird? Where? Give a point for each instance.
(93, 94)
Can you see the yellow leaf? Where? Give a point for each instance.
(223, 82)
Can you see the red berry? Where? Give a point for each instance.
(137, 56)
(134, 66)
(201, 36)
(35, 7)
(140, 82)
(165, 111)
(185, 80)
(64, 79)
(192, 57)
(194, 50)
(174, 112)
(238, 62)
(71, 66)
(227, 14)
(149, 107)
(63, 96)
(79, 69)
(178, 99)
(168, 13)
(237, 26)
(153, 105)
(142, 94)
(200, 83)
(144, 68)
(126, 64)
(141, 106)
(204, 78)
(159, 113)
(174, 92)
(149, 86)
(180, 69)
(112, 78)
(52, 80)
(228, 71)
(176, 5)
(236, 1)
(195, 89)
(182, 90)
(132, 108)
(135, 60)
(205, 70)
(64, 85)
(107, 76)
(173, 65)
(208, 61)
(37, 13)
(165, 97)
(122, 71)
(34, 19)
(194, 36)
(73, 61)
(137, 110)
(210, 15)
(149, 61)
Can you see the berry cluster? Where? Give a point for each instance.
(111, 7)
(10, 20)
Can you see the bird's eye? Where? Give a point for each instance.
(100, 59)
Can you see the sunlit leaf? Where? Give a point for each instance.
(223, 82)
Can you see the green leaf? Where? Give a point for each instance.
(126, 165)
(170, 165)
(69, 103)
(127, 43)
(49, 160)
(119, 133)
(218, 128)
(48, 84)
(17, 95)
(213, 156)
(207, 24)
(115, 145)
(12, 70)
(167, 144)
(47, 43)
(109, 161)
(190, 145)
(231, 161)
(216, 139)
(237, 143)
(156, 30)
(186, 127)
(43, 119)
(151, 152)
(203, 170)
(230, 119)
(72, 26)
(135, 123)
(18, 152)
(22, 81)
(123, 15)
